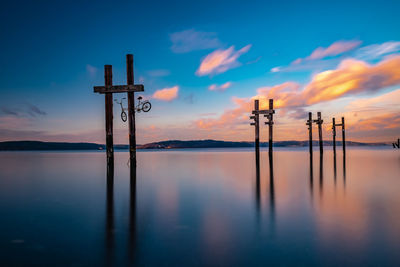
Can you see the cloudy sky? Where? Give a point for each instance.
(202, 64)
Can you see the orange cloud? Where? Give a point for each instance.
(385, 121)
(351, 77)
(221, 60)
(166, 94)
(222, 87)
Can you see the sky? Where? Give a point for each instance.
(202, 64)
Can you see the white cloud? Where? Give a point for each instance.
(221, 60)
(191, 40)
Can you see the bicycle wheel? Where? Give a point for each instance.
(146, 106)
(123, 116)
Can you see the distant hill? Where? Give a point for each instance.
(38, 145)
(215, 144)
(170, 144)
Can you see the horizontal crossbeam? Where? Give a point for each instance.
(267, 111)
(118, 88)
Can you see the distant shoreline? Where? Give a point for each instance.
(170, 144)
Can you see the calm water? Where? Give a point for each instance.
(200, 207)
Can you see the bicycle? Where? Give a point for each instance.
(144, 106)
(124, 116)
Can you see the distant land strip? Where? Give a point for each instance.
(170, 144)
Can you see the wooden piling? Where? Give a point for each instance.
(257, 132)
(109, 116)
(131, 111)
(270, 124)
(334, 136)
(309, 123)
(343, 138)
(320, 121)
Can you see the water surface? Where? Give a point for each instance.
(200, 207)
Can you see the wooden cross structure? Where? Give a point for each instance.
(108, 89)
(256, 117)
(334, 125)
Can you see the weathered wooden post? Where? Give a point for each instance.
(256, 124)
(131, 111)
(309, 123)
(109, 115)
(343, 138)
(319, 122)
(270, 123)
(334, 137)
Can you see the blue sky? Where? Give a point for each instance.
(53, 54)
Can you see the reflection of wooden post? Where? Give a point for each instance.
(110, 242)
(270, 123)
(334, 136)
(109, 115)
(309, 123)
(343, 138)
(131, 111)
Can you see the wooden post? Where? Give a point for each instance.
(319, 122)
(270, 123)
(109, 116)
(131, 111)
(334, 136)
(256, 124)
(309, 123)
(257, 132)
(343, 138)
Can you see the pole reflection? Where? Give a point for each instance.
(311, 178)
(110, 216)
(258, 193)
(344, 170)
(132, 218)
(334, 170)
(271, 189)
(321, 174)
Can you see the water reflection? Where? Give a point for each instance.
(200, 205)
(110, 216)
(311, 183)
(258, 193)
(334, 169)
(271, 189)
(344, 170)
(132, 217)
(321, 174)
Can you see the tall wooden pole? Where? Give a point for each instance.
(321, 150)
(309, 123)
(343, 137)
(270, 123)
(109, 116)
(257, 133)
(334, 136)
(131, 111)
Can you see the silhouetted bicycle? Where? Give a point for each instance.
(124, 117)
(144, 106)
